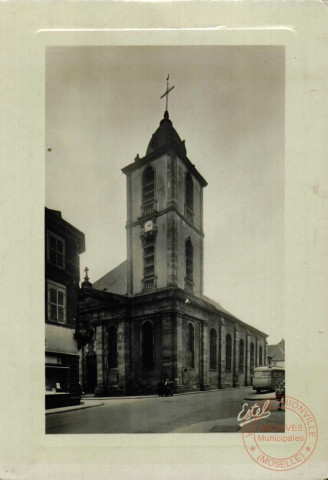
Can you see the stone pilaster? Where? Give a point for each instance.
(201, 245)
(172, 181)
(204, 378)
(256, 360)
(172, 250)
(219, 355)
(167, 347)
(82, 368)
(100, 388)
(129, 235)
(247, 360)
(223, 353)
(123, 357)
(178, 353)
(236, 382)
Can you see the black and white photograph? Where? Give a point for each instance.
(164, 240)
(164, 228)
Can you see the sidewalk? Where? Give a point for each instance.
(134, 397)
(90, 401)
(231, 425)
(84, 404)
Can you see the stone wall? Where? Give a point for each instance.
(170, 312)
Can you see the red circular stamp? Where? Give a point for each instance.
(277, 445)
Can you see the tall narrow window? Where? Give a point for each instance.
(191, 346)
(241, 355)
(112, 347)
(189, 195)
(252, 357)
(228, 352)
(213, 349)
(148, 185)
(189, 253)
(260, 356)
(147, 346)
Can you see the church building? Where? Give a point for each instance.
(149, 318)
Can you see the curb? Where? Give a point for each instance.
(137, 397)
(259, 398)
(73, 408)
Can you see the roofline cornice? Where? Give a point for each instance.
(168, 148)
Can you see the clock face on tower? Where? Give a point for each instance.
(148, 226)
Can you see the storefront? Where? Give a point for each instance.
(61, 368)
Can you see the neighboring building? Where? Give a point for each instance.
(276, 354)
(149, 318)
(63, 245)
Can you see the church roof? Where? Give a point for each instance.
(224, 311)
(277, 351)
(218, 306)
(114, 281)
(166, 134)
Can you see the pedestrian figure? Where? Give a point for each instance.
(280, 394)
(161, 388)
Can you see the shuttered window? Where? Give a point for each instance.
(56, 303)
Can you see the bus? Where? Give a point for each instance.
(267, 378)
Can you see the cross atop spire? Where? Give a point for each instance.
(86, 278)
(166, 94)
(86, 283)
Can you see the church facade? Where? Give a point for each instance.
(149, 318)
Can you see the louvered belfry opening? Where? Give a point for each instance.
(148, 185)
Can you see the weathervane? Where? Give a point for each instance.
(166, 94)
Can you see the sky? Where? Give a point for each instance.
(102, 107)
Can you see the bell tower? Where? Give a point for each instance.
(164, 216)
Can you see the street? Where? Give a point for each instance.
(215, 411)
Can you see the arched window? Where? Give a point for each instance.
(147, 342)
(189, 195)
(189, 254)
(112, 347)
(228, 352)
(148, 185)
(252, 357)
(213, 349)
(191, 346)
(241, 355)
(260, 356)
